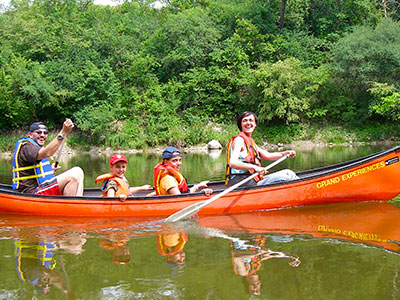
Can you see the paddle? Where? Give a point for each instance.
(194, 208)
(70, 294)
(59, 153)
(220, 234)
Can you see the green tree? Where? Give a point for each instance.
(285, 90)
(331, 18)
(387, 100)
(369, 54)
(183, 42)
(364, 57)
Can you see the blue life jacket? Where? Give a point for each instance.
(43, 169)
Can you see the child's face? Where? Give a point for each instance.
(175, 162)
(118, 169)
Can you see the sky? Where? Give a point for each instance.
(100, 2)
(155, 4)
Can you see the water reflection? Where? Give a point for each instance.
(119, 248)
(36, 262)
(247, 259)
(204, 257)
(171, 244)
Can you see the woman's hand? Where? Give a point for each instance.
(291, 153)
(260, 170)
(146, 187)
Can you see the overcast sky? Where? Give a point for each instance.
(102, 2)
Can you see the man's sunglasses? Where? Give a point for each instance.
(40, 132)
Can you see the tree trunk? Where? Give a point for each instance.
(282, 17)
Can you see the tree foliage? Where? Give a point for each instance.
(367, 56)
(136, 76)
(287, 89)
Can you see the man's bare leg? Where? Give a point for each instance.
(71, 182)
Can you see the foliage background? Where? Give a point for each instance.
(132, 76)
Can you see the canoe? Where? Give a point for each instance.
(371, 223)
(370, 178)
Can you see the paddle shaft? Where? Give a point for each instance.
(59, 153)
(194, 208)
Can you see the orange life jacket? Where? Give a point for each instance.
(123, 187)
(252, 157)
(161, 170)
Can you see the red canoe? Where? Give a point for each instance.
(371, 178)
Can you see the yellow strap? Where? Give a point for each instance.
(32, 176)
(30, 167)
(23, 168)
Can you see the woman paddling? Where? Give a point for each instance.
(244, 156)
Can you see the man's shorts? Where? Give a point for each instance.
(49, 187)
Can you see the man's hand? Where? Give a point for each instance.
(54, 167)
(67, 127)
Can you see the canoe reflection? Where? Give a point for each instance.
(370, 223)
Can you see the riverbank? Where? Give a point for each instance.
(297, 145)
(273, 138)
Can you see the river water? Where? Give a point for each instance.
(341, 251)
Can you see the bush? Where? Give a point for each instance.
(287, 90)
(369, 55)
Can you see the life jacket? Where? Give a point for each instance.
(43, 169)
(252, 157)
(165, 250)
(42, 252)
(161, 170)
(123, 186)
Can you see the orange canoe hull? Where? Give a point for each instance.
(372, 178)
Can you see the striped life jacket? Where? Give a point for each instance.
(161, 170)
(252, 157)
(43, 170)
(123, 186)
